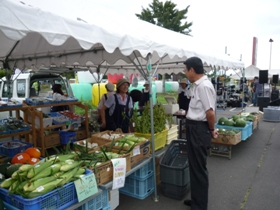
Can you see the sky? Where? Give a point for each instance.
(226, 26)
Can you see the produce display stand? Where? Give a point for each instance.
(45, 142)
(215, 151)
(226, 141)
(26, 113)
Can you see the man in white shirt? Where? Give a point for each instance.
(200, 130)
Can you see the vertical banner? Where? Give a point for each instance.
(255, 51)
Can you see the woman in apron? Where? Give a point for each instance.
(120, 106)
(110, 91)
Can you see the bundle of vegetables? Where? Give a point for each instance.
(31, 181)
(129, 141)
(143, 123)
(92, 158)
(236, 120)
(227, 131)
(111, 136)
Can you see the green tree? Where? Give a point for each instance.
(167, 16)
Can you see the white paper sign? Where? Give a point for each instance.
(119, 171)
(136, 150)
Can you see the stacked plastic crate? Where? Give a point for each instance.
(140, 184)
(174, 170)
(100, 202)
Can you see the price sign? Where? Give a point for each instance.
(86, 187)
(119, 170)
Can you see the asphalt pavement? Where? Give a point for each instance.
(249, 180)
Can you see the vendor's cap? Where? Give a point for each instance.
(146, 83)
(122, 81)
(183, 81)
(110, 87)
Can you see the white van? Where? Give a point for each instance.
(28, 85)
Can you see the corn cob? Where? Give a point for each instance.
(43, 189)
(31, 186)
(58, 174)
(70, 165)
(20, 187)
(25, 167)
(14, 186)
(61, 158)
(47, 172)
(80, 171)
(68, 176)
(20, 175)
(7, 183)
(38, 168)
(76, 177)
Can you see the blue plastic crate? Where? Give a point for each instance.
(246, 131)
(2, 124)
(59, 198)
(99, 202)
(66, 136)
(10, 152)
(9, 207)
(54, 114)
(144, 172)
(139, 189)
(108, 207)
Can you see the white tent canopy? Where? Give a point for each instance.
(250, 72)
(32, 38)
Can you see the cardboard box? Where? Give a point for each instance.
(228, 139)
(255, 123)
(51, 139)
(114, 198)
(104, 172)
(139, 153)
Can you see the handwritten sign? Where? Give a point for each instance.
(86, 187)
(119, 169)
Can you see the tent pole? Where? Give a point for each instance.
(149, 68)
(216, 88)
(243, 84)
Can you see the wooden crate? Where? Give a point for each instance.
(97, 137)
(227, 139)
(81, 134)
(51, 139)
